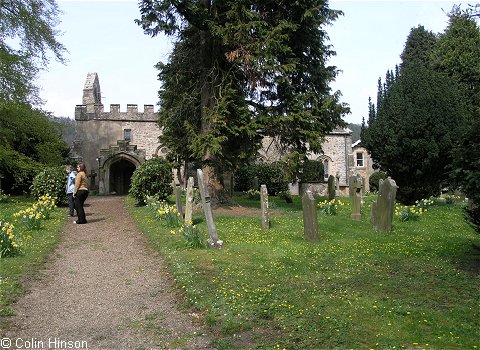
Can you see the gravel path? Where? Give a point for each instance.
(104, 289)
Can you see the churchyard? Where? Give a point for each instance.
(354, 287)
(269, 287)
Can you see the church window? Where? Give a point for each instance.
(127, 134)
(325, 169)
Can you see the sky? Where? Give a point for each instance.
(101, 36)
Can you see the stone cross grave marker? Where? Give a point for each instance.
(189, 202)
(264, 205)
(355, 187)
(178, 193)
(310, 224)
(213, 241)
(384, 206)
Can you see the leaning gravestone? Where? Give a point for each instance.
(264, 205)
(213, 241)
(189, 202)
(310, 224)
(383, 208)
(355, 187)
(331, 187)
(178, 195)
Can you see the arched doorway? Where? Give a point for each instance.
(121, 172)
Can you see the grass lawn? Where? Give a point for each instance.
(36, 245)
(414, 288)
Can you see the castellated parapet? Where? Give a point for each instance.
(96, 112)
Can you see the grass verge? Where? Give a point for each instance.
(36, 246)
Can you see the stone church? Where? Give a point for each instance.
(113, 144)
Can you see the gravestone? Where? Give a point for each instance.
(178, 194)
(213, 241)
(331, 187)
(189, 201)
(355, 187)
(310, 224)
(264, 205)
(384, 206)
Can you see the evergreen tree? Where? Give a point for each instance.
(458, 55)
(458, 52)
(416, 123)
(260, 71)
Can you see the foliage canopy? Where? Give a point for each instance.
(241, 70)
(27, 36)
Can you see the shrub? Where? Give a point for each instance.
(270, 174)
(273, 176)
(244, 178)
(312, 171)
(374, 180)
(51, 182)
(153, 178)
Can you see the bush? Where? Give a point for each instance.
(312, 171)
(270, 174)
(52, 182)
(244, 178)
(152, 179)
(374, 180)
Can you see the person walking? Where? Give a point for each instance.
(80, 192)
(71, 174)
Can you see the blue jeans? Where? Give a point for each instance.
(71, 204)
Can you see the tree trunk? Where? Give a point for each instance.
(208, 93)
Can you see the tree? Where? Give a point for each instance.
(457, 52)
(417, 122)
(458, 55)
(28, 35)
(260, 71)
(28, 142)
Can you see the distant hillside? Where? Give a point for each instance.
(65, 127)
(356, 128)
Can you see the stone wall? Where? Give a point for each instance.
(336, 150)
(367, 169)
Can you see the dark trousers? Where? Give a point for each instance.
(79, 200)
(71, 204)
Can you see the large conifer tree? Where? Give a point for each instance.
(253, 69)
(417, 121)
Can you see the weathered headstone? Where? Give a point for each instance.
(178, 194)
(337, 183)
(331, 187)
(213, 241)
(310, 224)
(356, 184)
(264, 205)
(384, 206)
(189, 201)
